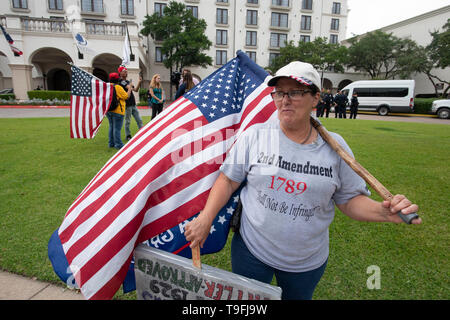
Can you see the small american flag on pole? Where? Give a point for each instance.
(162, 176)
(89, 103)
(17, 52)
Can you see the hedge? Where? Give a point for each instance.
(49, 95)
(423, 105)
(8, 96)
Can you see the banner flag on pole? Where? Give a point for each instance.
(161, 177)
(126, 50)
(17, 52)
(89, 101)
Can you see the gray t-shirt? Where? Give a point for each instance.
(288, 199)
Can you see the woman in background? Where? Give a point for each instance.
(156, 95)
(188, 84)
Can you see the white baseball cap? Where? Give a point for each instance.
(303, 72)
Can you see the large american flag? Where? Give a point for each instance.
(162, 176)
(89, 102)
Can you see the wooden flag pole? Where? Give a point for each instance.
(196, 260)
(358, 168)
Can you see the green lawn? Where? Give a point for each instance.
(42, 171)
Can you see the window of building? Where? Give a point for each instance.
(280, 3)
(20, 4)
(222, 16)
(223, 1)
(95, 26)
(278, 40)
(159, 8)
(222, 37)
(305, 23)
(250, 39)
(272, 56)
(194, 10)
(336, 8)
(221, 57)
(159, 56)
(251, 55)
(304, 38)
(307, 4)
(334, 24)
(55, 4)
(252, 1)
(127, 7)
(92, 6)
(334, 38)
(252, 17)
(279, 20)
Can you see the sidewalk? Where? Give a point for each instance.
(15, 287)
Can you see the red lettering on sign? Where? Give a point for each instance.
(209, 292)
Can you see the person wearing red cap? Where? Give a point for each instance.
(115, 116)
(131, 108)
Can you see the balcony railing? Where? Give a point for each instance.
(105, 28)
(62, 26)
(44, 25)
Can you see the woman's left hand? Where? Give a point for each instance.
(401, 205)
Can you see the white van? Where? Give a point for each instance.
(383, 96)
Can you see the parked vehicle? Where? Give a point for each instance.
(6, 91)
(441, 108)
(383, 96)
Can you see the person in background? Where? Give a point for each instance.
(328, 100)
(354, 106)
(115, 116)
(321, 105)
(131, 108)
(187, 85)
(186, 71)
(341, 105)
(156, 96)
(286, 207)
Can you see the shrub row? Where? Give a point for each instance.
(49, 95)
(8, 96)
(423, 105)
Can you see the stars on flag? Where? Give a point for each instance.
(223, 92)
(81, 83)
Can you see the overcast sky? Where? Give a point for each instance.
(369, 15)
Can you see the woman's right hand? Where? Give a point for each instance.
(197, 230)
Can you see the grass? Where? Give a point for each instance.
(42, 171)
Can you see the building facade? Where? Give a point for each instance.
(44, 29)
(258, 27)
(419, 29)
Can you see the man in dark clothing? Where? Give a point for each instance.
(354, 106)
(328, 101)
(321, 105)
(341, 104)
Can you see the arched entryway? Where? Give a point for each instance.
(53, 68)
(104, 64)
(58, 79)
(344, 83)
(327, 84)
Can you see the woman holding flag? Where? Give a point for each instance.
(291, 191)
